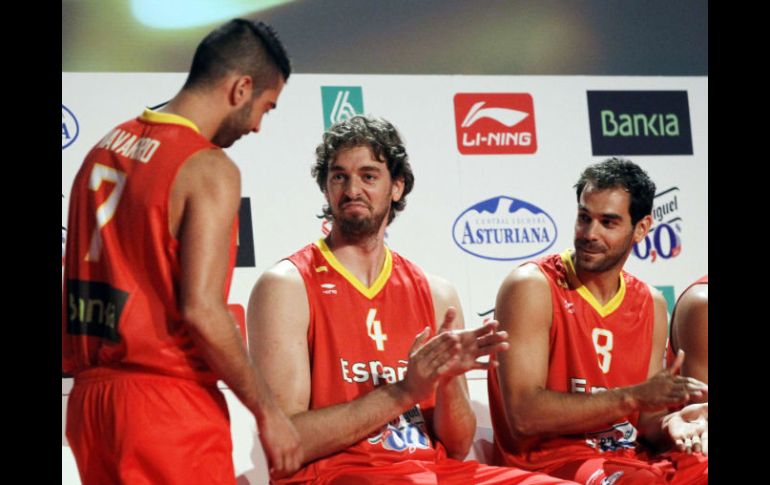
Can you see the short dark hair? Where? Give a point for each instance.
(381, 137)
(244, 47)
(620, 172)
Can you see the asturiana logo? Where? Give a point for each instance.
(665, 237)
(69, 127)
(504, 229)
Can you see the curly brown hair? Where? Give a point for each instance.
(384, 141)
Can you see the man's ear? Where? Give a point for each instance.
(241, 87)
(642, 228)
(397, 191)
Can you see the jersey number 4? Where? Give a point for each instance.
(374, 329)
(106, 211)
(603, 344)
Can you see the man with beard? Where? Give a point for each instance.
(146, 331)
(333, 329)
(583, 380)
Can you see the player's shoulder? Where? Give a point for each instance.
(281, 273)
(657, 296)
(527, 276)
(441, 288)
(695, 295)
(212, 162)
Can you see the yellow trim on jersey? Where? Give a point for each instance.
(603, 310)
(157, 117)
(378, 284)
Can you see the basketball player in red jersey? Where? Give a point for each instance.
(145, 329)
(333, 329)
(583, 378)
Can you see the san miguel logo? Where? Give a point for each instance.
(640, 122)
(495, 123)
(69, 127)
(504, 229)
(664, 240)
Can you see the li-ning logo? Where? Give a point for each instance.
(508, 117)
(69, 127)
(341, 103)
(495, 123)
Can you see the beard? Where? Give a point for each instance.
(601, 258)
(233, 127)
(357, 227)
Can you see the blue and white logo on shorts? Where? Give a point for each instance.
(504, 229)
(404, 433)
(622, 435)
(69, 127)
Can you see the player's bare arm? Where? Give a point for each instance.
(453, 420)
(691, 331)
(203, 205)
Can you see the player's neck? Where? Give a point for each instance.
(364, 258)
(197, 108)
(603, 285)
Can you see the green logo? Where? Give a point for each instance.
(668, 293)
(341, 103)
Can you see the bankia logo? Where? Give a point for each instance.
(341, 103)
(639, 122)
(664, 240)
(504, 229)
(69, 127)
(495, 123)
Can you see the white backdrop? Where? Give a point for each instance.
(275, 166)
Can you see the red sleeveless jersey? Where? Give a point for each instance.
(593, 347)
(120, 292)
(671, 347)
(359, 338)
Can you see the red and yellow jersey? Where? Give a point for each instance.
(359, 338)
(120, 293)
(671, 347)
(593, 348)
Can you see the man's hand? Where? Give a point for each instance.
(666, 388)
(473, 344)
(280, 442)
(688, 428)
(449, 353)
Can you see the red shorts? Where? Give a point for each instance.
(673, 468)
(446, 472)
(133, 428)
